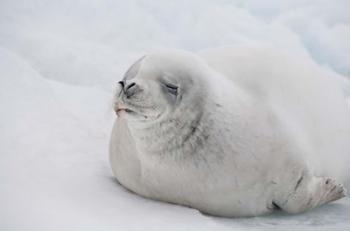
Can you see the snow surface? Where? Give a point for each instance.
(59, 63)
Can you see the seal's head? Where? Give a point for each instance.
(160, 84)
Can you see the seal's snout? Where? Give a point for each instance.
(124, 92)
(129, 90)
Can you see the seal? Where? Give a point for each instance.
(225, 132)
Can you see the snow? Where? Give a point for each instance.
(59, 63)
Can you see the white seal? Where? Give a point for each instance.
(232, 132)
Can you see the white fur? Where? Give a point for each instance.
(264, 120)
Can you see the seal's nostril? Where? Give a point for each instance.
(121, 83)
(130, 86)
(130, 89)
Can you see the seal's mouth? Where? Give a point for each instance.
(122, 110)
(125, 109)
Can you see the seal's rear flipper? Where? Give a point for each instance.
(309, 192)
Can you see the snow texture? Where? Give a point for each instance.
(59, 64)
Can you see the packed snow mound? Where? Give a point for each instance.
(59, 64)
(55, 174)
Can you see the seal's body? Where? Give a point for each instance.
(190, 132)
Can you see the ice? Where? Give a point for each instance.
(59, 63)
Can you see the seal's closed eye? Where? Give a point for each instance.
(172, 89)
